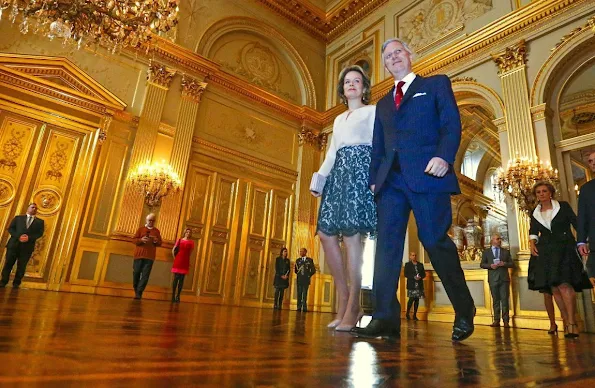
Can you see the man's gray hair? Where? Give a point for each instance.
(391, 40)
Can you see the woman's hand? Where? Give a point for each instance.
(534, 250)
(315, 193)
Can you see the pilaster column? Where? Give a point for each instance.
(519, 126)
(304, 220)
(158, 81)
(192, 91)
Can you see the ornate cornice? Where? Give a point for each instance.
(511, 58)
(463, 79)
(246, 159)
(325, 26)
(192, 88)
(159, 74)
(312, 137)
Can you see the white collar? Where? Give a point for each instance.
(537, 213)
(407, 79)
(149, 227)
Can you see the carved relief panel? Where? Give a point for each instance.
(432, 22)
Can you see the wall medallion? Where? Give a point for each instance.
(12, 148)
(7, 192)
(48, 201)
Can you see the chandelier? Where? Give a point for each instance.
(519, 178)
(154, 181)
(114, 24)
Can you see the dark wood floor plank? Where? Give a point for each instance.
(66, 339)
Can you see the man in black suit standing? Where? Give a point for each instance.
(24, 231)
(497, 260)
(586, 220)
(305, 269)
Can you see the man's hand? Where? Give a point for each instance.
(583, 250)
(23, 238)
(284, 277)
(437, 167)
(145, 239)
(494, 266)
(592, 280)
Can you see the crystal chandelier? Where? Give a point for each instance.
(518, 179)
(114, 24)
(154, 181)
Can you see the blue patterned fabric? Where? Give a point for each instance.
(348, 206)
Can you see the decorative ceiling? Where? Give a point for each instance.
(321, 24)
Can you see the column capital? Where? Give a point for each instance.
(106, 121)
(192, 88)
(160, 75)
(312, 137)
(511, 58)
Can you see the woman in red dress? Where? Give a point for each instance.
(184, 247)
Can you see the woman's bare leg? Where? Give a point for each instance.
(354, 268)
(332, 253)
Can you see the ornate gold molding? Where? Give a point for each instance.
(511, 58)
(463, 79)
(590, 24)
(325, 26)
(312, 137)
(246, 159)
(159, 74)
(192, 88)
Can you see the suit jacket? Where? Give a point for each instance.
(305, 269)
(499, 274)
(410, 273)
(426, 125)
(585, 231)
(18, 227)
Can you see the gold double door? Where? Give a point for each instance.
(241, 222)
(49, 165)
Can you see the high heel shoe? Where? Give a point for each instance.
(568, 333)
(553, 331)
(334, 324)
(349, 327)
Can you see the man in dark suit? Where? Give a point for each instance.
(497, 260)
(586, 221)
(24, 231)
(305, 269)
(417, 132)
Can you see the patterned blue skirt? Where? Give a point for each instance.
(348, 206)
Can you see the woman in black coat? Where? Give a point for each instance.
(415, 273)
(555, 265)
(282, 269)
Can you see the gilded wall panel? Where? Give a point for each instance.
(197, 197)
(432, 22)
(252, 274)
(259, 212)
(224, 204)
(280, 217)
(108, 187)
(216, 256)
(241, 129)
(54, 176)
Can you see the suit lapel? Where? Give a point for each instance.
(411, 90)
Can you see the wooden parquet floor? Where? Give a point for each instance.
(63, 339)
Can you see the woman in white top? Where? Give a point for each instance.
(555, 266)
(347, 209)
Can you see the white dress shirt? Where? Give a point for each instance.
(408, 79)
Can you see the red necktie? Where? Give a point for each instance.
(399, 94)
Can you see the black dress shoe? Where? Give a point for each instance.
(463, 327)
(378, 328)
(299, 309)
